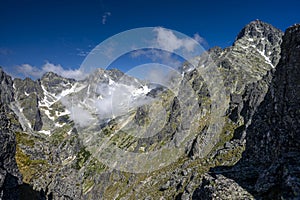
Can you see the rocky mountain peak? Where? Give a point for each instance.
(261, 37)
(2, 74)
(50, 75)
(6, 87)
(112, 73)
(110, 76)
(55, 83)
(259, 29)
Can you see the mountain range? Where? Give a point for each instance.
(62, 138)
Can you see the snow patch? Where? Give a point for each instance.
(66, 112)
(110, 82)
(88, 90)
(141, 91)
(267, 59)
(46, 132)
(60, 125)
(244, 47)
(48, 115)
(73, 89)
(48, 99)
(69, 132)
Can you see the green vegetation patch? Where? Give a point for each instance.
(59, 134)
(82, 156)
(24, 139)
(30, 169)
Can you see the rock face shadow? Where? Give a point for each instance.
(27, 192)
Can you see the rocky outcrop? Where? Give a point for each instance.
(264, 37)
(10, 178)
(245, 69)
(55, 84)
(255, 51)
(273, 138)
(6, 88)
(269, 168)
(27, 95)
(220, 187)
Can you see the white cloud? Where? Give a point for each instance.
(105, 16)
(166, 39)
(200, 40)
(158, 75)
(81, 116)
(159, 56)
(58, 69)
(163, 75)
(35, 72)
(28, 70)
(107, 101)
(82, 52)
(118, 99)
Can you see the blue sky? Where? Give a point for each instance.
(59, 33)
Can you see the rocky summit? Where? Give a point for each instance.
(61, 138)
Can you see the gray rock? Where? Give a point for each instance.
(220, 187)
(10, 177)
(6, 88)
(165, 186)
(270, 164)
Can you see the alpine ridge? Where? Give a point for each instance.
(51, 129)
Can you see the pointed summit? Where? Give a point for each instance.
(261, 37)
(6, 87)
(259, 29)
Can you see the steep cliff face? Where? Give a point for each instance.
(245, 69)
(6, 92)
(10, 177)
(274, 137)
(27, 95)
(269, 168)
